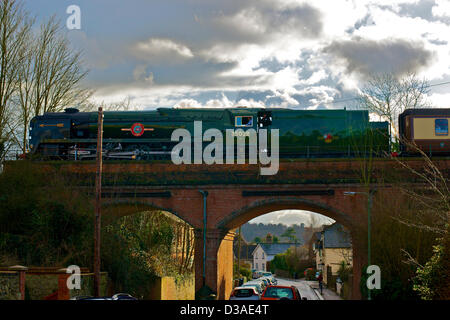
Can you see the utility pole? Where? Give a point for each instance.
(98, 200)
(239, 253)
(369, 240)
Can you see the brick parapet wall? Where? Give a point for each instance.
(42, 283)
(304, 171)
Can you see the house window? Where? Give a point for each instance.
(263, 266)
(441, 127)
(243, 121)
(263, 255)
(256, 266)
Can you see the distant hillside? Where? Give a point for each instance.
(252, 230)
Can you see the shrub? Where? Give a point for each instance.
(429, 277)
(344, 271)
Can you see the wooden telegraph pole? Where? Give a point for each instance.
(98, 200)
(239, 253)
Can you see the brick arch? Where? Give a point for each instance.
(261, 207)
(124, 207)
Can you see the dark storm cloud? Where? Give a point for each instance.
(176, 50)
(304, 19)
(260, 21)
(366, 57)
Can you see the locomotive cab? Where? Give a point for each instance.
(264, 119)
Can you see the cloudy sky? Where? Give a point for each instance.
(282, 53)
(290, 217)
(289, 53)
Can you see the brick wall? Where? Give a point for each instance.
(45, 282)
(39, 286)
(9, 286)
(169, 288)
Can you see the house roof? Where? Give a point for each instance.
(246, 251)
(272, 249)
(336, 236)
(315, 237)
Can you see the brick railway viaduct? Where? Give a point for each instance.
(238, 193)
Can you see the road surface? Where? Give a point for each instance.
(302, 286)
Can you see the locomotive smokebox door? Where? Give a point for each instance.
(264, 119)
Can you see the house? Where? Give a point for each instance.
(246, 256)
(312, 243)
(265, 252)
(334, 246)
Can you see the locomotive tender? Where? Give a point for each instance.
(146, 135)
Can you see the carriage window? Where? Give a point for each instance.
(243, 121)
(441, 127)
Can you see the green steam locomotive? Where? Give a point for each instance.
(147, 135)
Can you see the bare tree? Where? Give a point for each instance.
(24, 96)
(121, 105)
(387, 96)
(57, 71)
(433, 199)
(432, 214)
(49, 77)
(15, 27)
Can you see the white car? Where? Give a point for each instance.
(256, 285)
(258, 282)
(270, 276)
(245, 293)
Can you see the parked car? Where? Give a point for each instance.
(270, 276)
(117, 296)
(123, 296)
(256, 285)
(256, 274)
(265, 281)
(245, 293)
(261, 283)
(281, 293)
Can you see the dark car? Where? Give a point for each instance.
(281, 293)
(117, 296)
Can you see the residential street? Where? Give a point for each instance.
(307, 289)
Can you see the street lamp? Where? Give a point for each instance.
(369, 208)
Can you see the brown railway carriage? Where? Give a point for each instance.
(428, 129)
